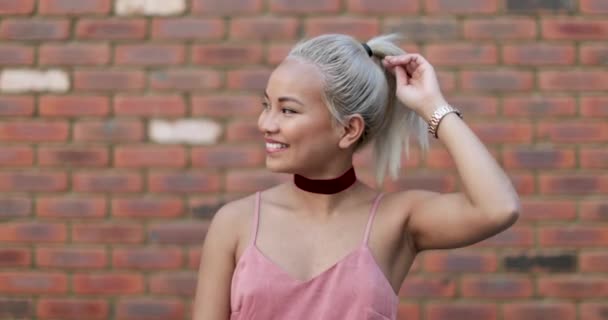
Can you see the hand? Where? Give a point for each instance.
(417, 85)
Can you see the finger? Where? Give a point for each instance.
(401, 76)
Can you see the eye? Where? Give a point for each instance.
(288, 111)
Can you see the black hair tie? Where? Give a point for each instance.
(367, 49)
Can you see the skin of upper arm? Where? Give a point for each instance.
(445, 221)
(212, 298)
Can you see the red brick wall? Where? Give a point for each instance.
(102, 221)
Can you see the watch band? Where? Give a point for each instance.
(438, 116)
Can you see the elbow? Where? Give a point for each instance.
(507, 215)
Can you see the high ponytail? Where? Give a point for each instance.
(358, 84)
(401, 122)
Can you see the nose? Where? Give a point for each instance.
(267, 122)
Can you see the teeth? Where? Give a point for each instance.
(275, 145)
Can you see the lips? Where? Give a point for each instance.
(273, 146)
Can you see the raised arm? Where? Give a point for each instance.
(489, 203)
(212, 299)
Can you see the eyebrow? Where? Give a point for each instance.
(282, 99)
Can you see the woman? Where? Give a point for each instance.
(325, 246)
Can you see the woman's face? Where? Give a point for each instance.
(295, 121)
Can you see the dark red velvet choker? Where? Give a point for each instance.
(329, 186)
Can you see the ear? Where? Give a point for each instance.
(351, 131)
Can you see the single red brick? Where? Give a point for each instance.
(175, 284)
(439, 182)
(33, 181)
(500, 287)
(182, 233)
(507, 132)
(14, 206)
(17, 308)
(254, 79)
(185, 80)
(594, 106)
(573, 80)
(463, 7)
(383, 6)
(575, 183)
(147, 258)
(532, 7)
(184, 182)
(593, 310)
(71, 207)
(73, 106)
(264, 28)
(459, 261)
(596, 158)
(226, 106)
(74, 54)
(139, 308)
(72, 309)
(107, 232)
(578, 28)
(13, 7)
(188, 28)
(538, 158)
(15, 257)
(501, 80)
(246, 181)
(149, 54)
(108, 283)
(539, 310)
(34, 131)
(111, 29)
(460, 54)
(226, 156)
(517, 236)
(149, 156)
(547, 210)
(360, 28)
(68, 258)
(226, 54)
(539, 54)
(16, 55)
(593, 7)
(107, 181)
(32, 232)
(81, 7)
(572, 131)
(25, 282)
(226, 7)
(16, 156)
(16, 105)
(540, 106)
(150, 106)
(594, 210)
(594, 54)
(112, 130)
(418, 287)
(145, 207)
(109, 80)
(593, 261)
(307, 7)
(38, 29)
(573, 236)
(461, 311)
(424, 29)
(73, 156)
(579, 287)
(500, 28)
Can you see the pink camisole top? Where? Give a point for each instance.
(354, 288)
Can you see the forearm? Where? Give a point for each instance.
(485, 183)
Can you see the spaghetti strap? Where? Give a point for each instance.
(256, 218)
(371, 217)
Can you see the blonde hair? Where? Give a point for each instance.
(356, 83)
